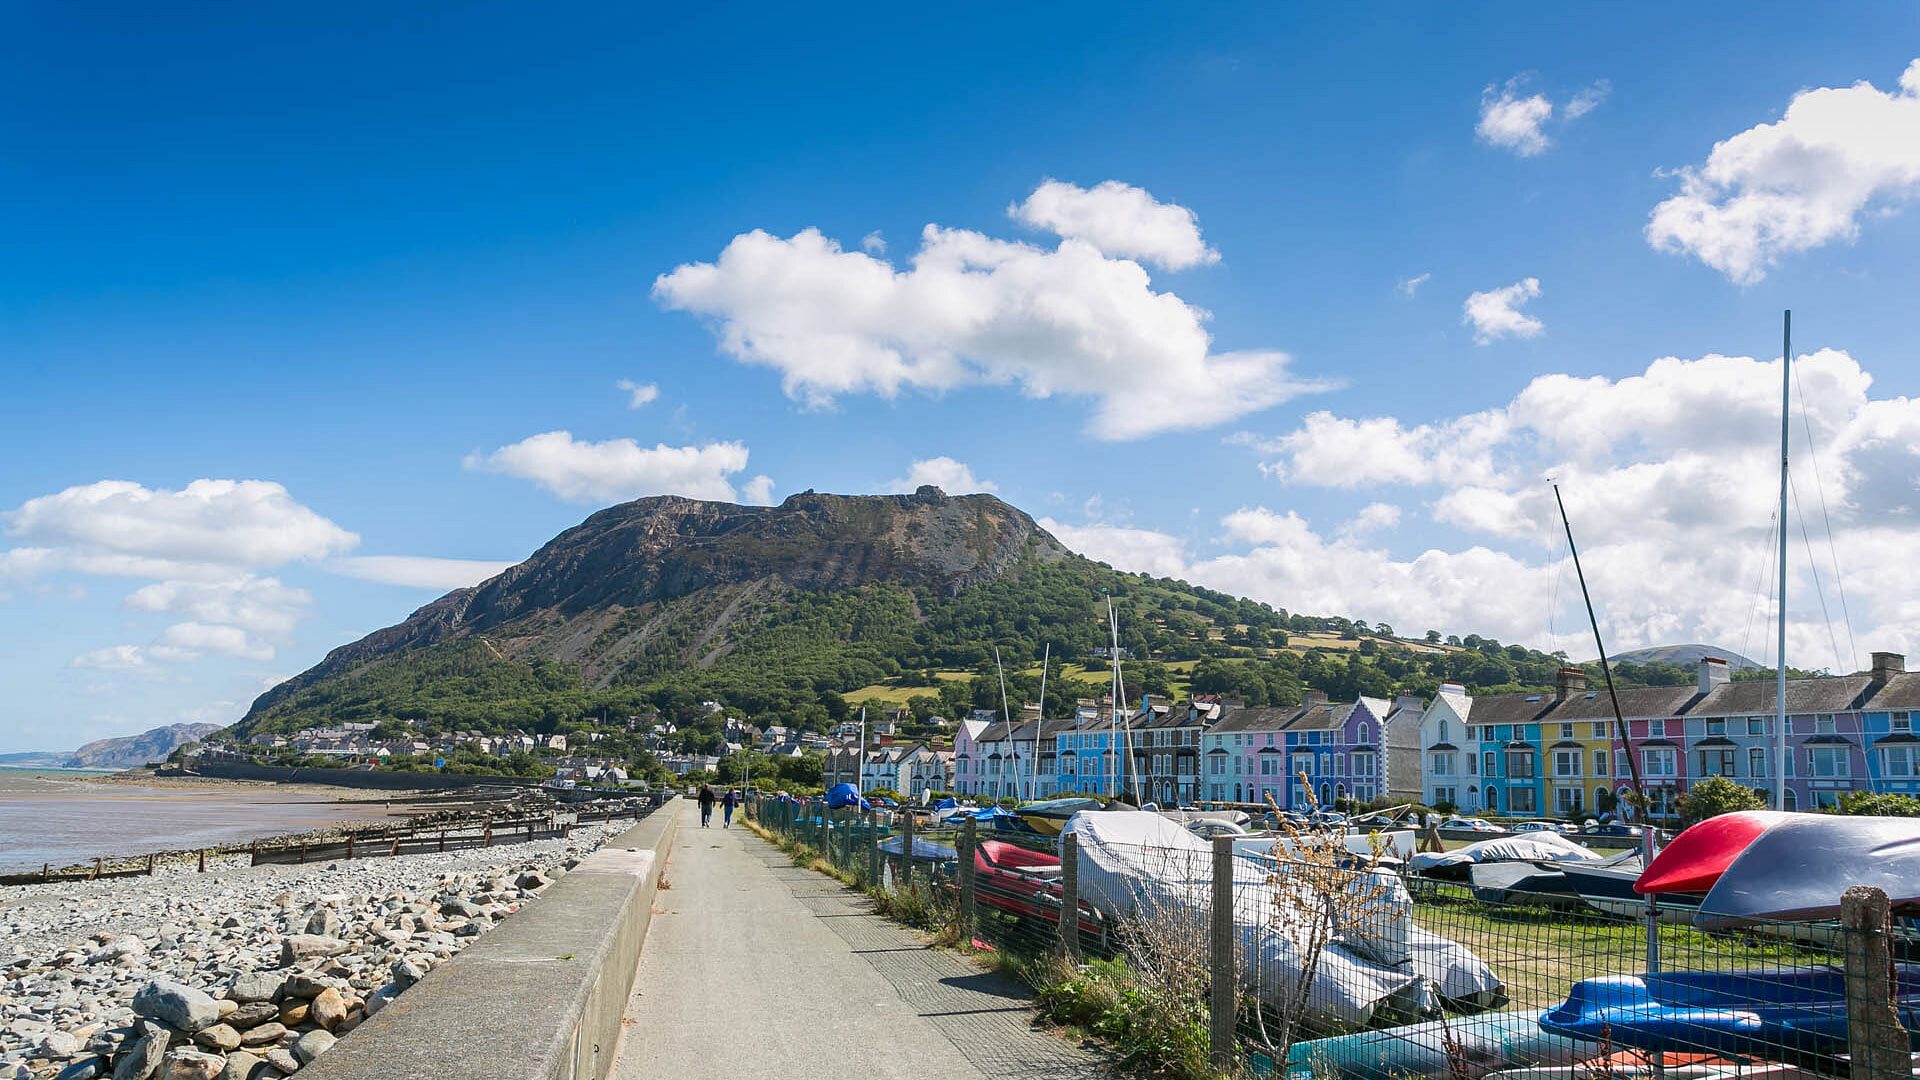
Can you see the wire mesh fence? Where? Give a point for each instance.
(1264, 956)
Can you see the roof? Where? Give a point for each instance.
(1263, 719)
(1842, 694)
(1327, 717)
(1640, 702)
(1902, 692)
(1509, 708)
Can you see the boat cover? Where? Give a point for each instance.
(996, 819)
(841, 796)
(947, 803)
(1060, 807)
(1752, 1013)
(1486, 1042)
(1703, 851)
(1526, 847)
(1137, 861)
(1798, 868)
(923, 848)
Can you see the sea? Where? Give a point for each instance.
(71, 816)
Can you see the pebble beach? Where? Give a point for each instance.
(242, 972)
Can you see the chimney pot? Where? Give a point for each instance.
(1713, 672)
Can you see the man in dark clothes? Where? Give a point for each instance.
(706, 805)
(726, 808)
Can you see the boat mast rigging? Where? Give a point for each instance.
(1780, 654)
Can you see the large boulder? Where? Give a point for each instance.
(297, 947)
(176, 1005)
(253, 986)
(141, 1058)
(312, 1045)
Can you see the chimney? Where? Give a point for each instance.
(1713, 672)
(1888, 664)
(1570, 681)
(1315, 697)
(1453, 689)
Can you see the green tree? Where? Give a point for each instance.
(1717, 795)
(1878, 804)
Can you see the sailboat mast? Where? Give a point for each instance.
(1006, 717)
(1780, 654)
(1040, 723)
(1113, 693)
(860, 768)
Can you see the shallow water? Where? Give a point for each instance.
(65, 817)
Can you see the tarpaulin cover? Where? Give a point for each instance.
(1135, 862)
(841, 796)
(947, 803)
(1530, 847)
(923, 848)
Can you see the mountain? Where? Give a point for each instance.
(129, 751)
(29, 759)
(1684, 656)
(776, 612)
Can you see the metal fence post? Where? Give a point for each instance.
(906, 852)
(1226, 981)
(1069, 896)
(1876, 1042)
(873, 850)
(969, 840)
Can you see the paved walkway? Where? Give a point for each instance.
(754, 967)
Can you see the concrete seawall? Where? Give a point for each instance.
(354, 778)
(538, 998)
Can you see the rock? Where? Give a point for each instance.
(176, 1005)
(117, 949)
(59, 1046)
(264, 1035)
(297, 947)
(405, 973)
(312, 1045)
(92, 1068)
(534, 880)
(192, 1065)
(303, 986)
(294, 1014)
(251, 986)
(221, 1037)
(240, 1066)
(142, 1059)
(324, 923)
(253, 1015)
(227, 1006)
(463, 908)
(283, 1060)
(382, 997)
(329, 1009)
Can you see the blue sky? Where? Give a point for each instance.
(364, 257)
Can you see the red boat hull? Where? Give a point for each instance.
(1701, 853)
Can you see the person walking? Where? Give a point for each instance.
(726, 808)
(706, 805)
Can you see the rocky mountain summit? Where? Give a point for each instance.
(130, 751)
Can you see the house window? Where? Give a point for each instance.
(1900, 761)
(1471, 765)
(1757, 762)
(1827, 762)
(1473, 733)
(1716, 763)
(1716, 727)
(1599, 763)
(1521, 801)
(1901, 722)
(1823, 724)
(1493, 763)
(1520, 764)
(1566, 762)
(1599, 729)
(1567, 800)
(1267, 765)
(1566, 731)
(1441, 764)
(1756, 725)
(1659, 762)
(1443, 729)
(1219, 766)
(1444, 795)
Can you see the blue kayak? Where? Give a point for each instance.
(1765, 1013)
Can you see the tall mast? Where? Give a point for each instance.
(1780, 654)
(1113, 693)
(1040, 724)
(1006, 716)
(1606, 668)
(860, 769)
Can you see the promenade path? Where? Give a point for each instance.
(754, 967)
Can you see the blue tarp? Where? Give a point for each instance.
(841, 796)
(947, 803)
(998, 820)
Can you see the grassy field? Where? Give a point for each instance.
(881, 693)
(1540, 954)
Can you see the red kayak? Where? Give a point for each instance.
(1701, 853)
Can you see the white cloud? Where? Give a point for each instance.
(1410, 286)
(1670, 477)
(417, 571)
(618, 469)
(256, 604)
(116, 526)
(950, 476)
(113, 658)
(1798, 183)
(757, 491)
(1514, 120)
(194, 638)
(1119, 220)
(873, 243)
(1371, 518)
(969, 310)
(1496, 313)
(1141, 550)
(639, 395)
